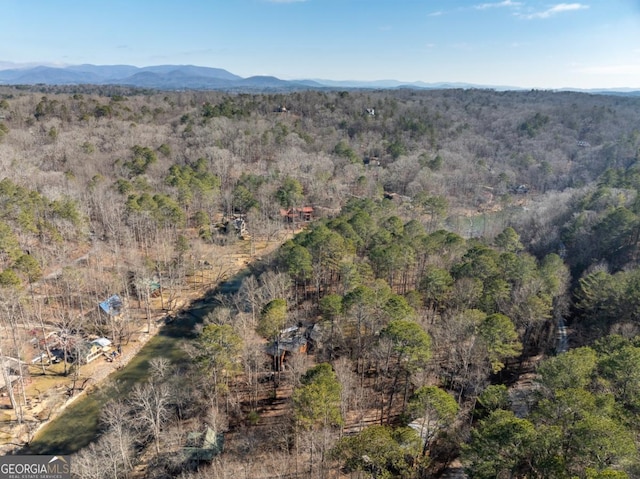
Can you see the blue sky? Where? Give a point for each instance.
(524, 43)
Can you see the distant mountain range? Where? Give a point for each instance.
(162, 77)
(189, 77)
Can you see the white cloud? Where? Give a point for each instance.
(481, 6)
(556, 9)
(505, 3)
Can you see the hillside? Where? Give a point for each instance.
(451, 243)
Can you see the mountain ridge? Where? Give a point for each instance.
(192, 77)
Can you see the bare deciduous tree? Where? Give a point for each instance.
(151, 407)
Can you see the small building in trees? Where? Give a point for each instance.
(520, 189)
(371, 161)
(94, 349)
(236, 223)
(141, 286)
(316, 335)
(203, 445)
(291, 341)
(298, 215)
(396, 198)
(113, 306)
(240, 226)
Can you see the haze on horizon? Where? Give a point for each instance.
(519, 43)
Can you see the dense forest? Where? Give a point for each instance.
(465, 291)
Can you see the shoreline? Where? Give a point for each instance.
(21, 437)
(25, 434)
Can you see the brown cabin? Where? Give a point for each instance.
(298, 215)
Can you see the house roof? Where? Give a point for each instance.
(288, 331)
(317, 332)
(297, 211)
(112, 305)
(204, 446)
(152, 283)
(290, 345)
(417, 426)
(102, 342)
